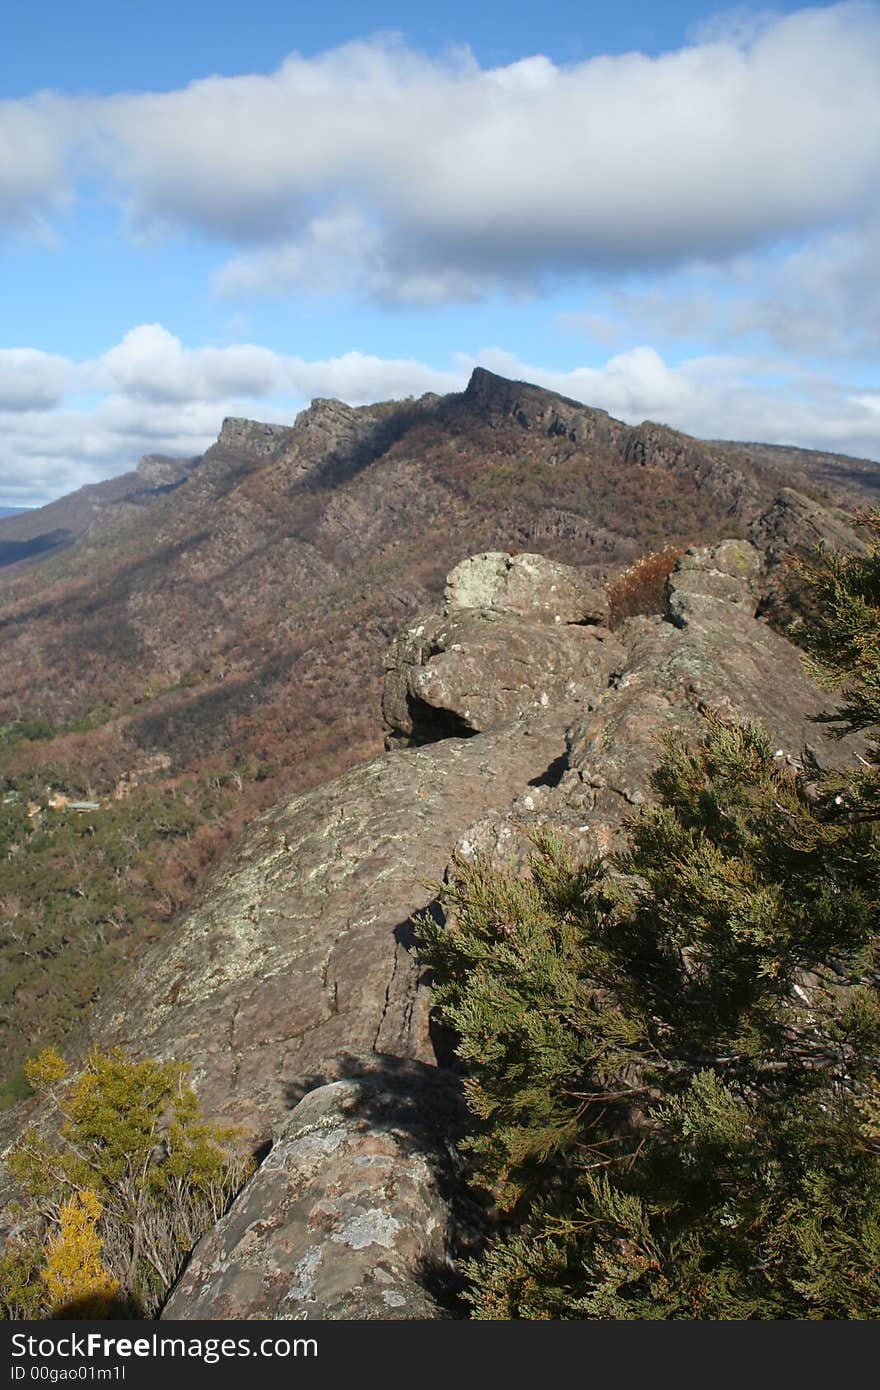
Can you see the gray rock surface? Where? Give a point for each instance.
(709, 653)
(713, 655)
(349, 1215)
(297, 949)
(796, 523)
(473, 670)
(252, 437)
(528, 585)
(516, 632)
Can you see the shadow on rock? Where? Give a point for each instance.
(359, 1211)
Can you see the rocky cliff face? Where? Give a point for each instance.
(291, 988)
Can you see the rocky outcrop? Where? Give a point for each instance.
(797, 524)
(707, 652)
(705, 583)
(495, 398)
(516, 632)
(711, 654)
(467, 673)
(333, 440)
(251, 437)
(349, 1216)
(291, 988)
(163, 472)
(529, 586)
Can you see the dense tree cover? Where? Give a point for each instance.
(671, 1057)
(114, 1201)
(80, 891)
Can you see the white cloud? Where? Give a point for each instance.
(617, 162)
(823, 300)
(819, 301)
(35, 142)
(425, 179)
(342, 253)
(151, 364)
(32, 380)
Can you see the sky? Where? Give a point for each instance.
(670, 211)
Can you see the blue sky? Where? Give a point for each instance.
(671, 211)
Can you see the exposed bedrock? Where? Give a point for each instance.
(709, 652)
(528, 585)
(290, 987)
(298, 946)
(517, 632)
(350, 1215)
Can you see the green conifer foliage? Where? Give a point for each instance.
(671, 1058)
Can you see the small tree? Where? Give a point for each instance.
(135, 1166)
(671, 1058)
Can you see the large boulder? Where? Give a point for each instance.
(529, 585)
(516, 632)
(348, 1216)
(469, 671)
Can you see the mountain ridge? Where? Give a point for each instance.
(199, 657)
(68, 519)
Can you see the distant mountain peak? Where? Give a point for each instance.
(251, 436)
(499, 393)
(160, 470)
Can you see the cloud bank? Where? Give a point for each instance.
(422, 180)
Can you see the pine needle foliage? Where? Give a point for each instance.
(671, 1058)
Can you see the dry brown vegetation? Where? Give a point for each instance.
(641, 588)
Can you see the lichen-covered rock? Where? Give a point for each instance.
(298, 947)
(473, 670)
(724, 574)
(715, 655)
(347, 1217)
(709, 652)
(528, 585)
(506, 839)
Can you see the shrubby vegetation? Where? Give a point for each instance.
(80, 892)
(115, 1201)
(641, 588)
(671, 1057)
